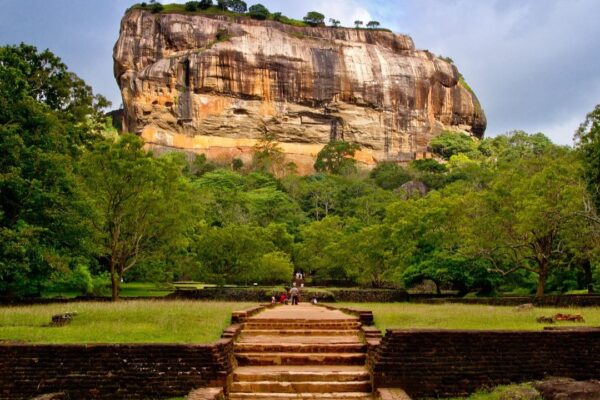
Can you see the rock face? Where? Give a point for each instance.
(213, 85)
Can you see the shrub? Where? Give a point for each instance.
(205, 4)
(156, 8)
(258, 11)
(191, 6)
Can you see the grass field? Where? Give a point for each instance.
(501, 393)
(133, 289)
(136, 321)
(460, 316)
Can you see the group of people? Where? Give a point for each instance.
(292, 294)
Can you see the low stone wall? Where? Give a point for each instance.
(112, 371)
(441, 363)
(322, 295)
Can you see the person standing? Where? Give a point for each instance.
(294, 294)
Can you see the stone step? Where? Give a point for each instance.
(300, 339)
(301, 396)
(299, 347)
(300, 325)
(282, 373)
(300, 387)
(300, 358)
(300, 332)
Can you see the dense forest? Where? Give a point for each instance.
(81, 206)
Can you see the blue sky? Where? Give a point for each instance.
(534, 64)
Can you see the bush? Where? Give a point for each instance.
(258, 11)
(156, 8)
(389, 175)
(192, 6)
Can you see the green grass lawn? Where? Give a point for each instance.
(128, 289)
(499, 393)
(135, 321)
(461, 316)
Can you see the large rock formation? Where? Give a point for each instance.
(209, 84)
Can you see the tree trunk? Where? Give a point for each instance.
(114, 281)
(589, 281)
(543, 275)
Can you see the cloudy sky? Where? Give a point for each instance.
(534, 64)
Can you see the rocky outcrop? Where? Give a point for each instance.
(213, 85)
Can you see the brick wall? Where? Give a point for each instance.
(586, 300)
(432, 363)
(144, 371)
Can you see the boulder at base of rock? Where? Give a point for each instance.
(569, 389)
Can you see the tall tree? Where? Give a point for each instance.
(47, 116)
(139, 203)
(528, 216)
(588, 144)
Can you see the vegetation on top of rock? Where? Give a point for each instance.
(239, 8)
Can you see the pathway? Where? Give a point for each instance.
(300, 352)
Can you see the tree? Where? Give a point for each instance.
(588, 145)
(389, 175)
(334, 22)
(268, 155)
(373, 24)
(529, 215)
(314, 18)
(358, 23)
(205, 4)
(156, 7)
(237, 6)
(448, 144)
(192, 6)
(48, 116)
(139, 204)
(222, 4)
(258, 11)
(337, 157)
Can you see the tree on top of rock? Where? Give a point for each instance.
(258, 11)
(373, 24)
(314, 18)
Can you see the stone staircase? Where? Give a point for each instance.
(300, 352)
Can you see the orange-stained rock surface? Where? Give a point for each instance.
(213, 85)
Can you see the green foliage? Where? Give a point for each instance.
(335, 23)
(448, 144)
(237, 6)
(48, 116)
(337, 158)
(258, 11)
(358, 23)
(373, 24)
(314, 18)
(268, 155)
(156, 8)
(139, 203)
(588, 144)
(390, 175)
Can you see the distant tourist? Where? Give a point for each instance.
(283, 298)
(314, 300)
(294, 292)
